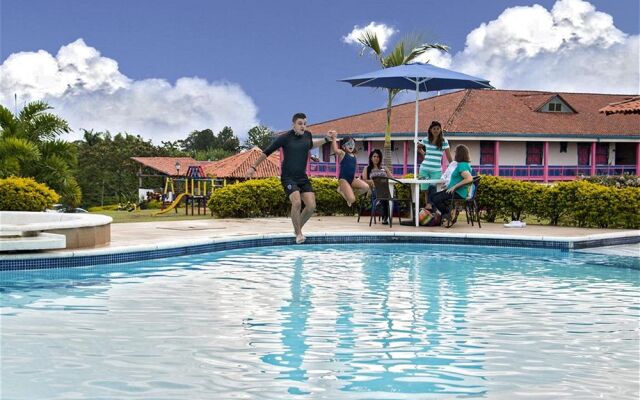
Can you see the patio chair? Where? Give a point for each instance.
(364, 201)
(383, 193)
(469, 205)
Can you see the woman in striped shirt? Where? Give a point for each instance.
(431, 168)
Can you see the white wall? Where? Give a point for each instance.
(473, 145)
(568, 158)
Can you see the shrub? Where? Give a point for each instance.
(25, 194)
(110, 207)
(153, 204)
(578, 203)
(265, 198)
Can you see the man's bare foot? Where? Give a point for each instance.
(300, 239)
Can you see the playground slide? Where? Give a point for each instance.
(172, 205)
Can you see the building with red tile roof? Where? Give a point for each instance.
(629, 106)
(237, 165)
(169, 166)
(534, 135)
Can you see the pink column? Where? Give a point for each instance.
(545, 161)
(496, 158)
(638, 159)
(405, 155)
(593, 159)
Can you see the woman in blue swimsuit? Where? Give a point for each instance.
(348, 184)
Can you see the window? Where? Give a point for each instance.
(563, 147)
(487, 153)
(602, 153)
(534, 153)
(555, 107)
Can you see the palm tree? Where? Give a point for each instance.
(399, 55)
(29, 146)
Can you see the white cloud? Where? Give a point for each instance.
(572, 47)
(90, 92)
(382, 31)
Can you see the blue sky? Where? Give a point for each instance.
(259, 61)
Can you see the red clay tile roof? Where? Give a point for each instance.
(629, 106)
(501, 112)
(237, 165)
(167, 165)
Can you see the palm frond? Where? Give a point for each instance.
(421, 49)
(369, 40)
(16, 153)
(8, 123)
(33, 109)
(46, 127)
(65, 150)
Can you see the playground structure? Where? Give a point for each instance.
(197, 190)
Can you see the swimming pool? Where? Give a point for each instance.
(397, 321)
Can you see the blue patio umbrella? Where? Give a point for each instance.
(421, 78)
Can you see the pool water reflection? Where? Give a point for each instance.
(341, 321)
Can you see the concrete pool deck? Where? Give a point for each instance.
(127, 237)
(143, 233)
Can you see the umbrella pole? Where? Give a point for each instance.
(415, 157)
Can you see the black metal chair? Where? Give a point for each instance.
(469, 205)
(383, 193)
(363, 201)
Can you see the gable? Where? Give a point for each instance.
(556, 104)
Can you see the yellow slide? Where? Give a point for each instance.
(172, 205)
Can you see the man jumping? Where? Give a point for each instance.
(295, 145)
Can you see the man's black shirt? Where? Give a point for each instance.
(295, 153)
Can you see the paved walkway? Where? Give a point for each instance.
(152, 232)
(127, 237)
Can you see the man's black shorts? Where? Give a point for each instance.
(302, 185)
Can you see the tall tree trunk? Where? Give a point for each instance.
(387, 162)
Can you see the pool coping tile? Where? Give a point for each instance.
(108, 255)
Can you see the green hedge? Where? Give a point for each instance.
(577, 203)
(25, 194)
(266, 198)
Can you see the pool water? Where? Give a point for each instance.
(369, 321)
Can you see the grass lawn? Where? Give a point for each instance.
(147, 216)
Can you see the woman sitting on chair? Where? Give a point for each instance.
(458, 187)
(375, 169)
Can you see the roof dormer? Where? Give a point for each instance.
(556, 104)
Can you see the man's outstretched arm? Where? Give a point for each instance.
(253, 167)
(320, 142)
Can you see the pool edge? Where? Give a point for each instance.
(111, 255)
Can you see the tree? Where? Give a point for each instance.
(399, 55)
(227, 141)
(173, 148)
(258, 136)
(107, 174)
(199, 141)
(29, 146)
(212, 154)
